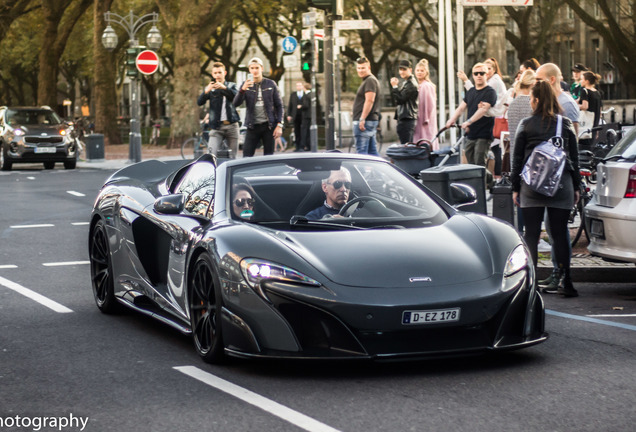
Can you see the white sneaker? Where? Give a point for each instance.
(544, 246)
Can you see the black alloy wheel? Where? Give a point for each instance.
(102, 270)
(5, 163)
(205, 311)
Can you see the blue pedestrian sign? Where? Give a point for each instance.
(289, 44)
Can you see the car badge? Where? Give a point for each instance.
(43, 134)
(420, 279)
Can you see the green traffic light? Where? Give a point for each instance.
(306, 67)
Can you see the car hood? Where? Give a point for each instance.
(456, 252)
(51, 130)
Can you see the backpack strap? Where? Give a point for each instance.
(557, 140)
(559, 125)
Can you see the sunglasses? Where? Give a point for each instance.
(338, 184)
(241, 202)
(479, 73)
(361, 60)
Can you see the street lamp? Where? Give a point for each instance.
(132, 24)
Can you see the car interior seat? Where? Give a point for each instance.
(315, 198)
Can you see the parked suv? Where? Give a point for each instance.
(35, 134)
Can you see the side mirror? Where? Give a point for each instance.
(170, 204)
(462, 195)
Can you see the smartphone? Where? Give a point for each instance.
(250, 77)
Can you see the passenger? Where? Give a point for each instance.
(337, 188)
(243, 201)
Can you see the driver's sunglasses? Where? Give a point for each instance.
(242, 201)
(338, 184)
(479, 73)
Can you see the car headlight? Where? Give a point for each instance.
(256, 270)
(18, 132)
(517, 260)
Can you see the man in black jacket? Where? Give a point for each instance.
(405, 97)
(224, 120)
(295, 115)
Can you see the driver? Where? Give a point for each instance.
(337, 188)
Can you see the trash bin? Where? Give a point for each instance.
(439, 179)
(502, 205)
(94, 146)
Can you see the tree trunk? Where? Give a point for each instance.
(104, 91)
(48, 58)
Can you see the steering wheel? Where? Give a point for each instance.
(349, 208)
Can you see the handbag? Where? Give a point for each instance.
(501, 125)
(586, 123)
(543, 170)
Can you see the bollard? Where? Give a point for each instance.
(502, 205)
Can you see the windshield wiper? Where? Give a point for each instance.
(297, 220)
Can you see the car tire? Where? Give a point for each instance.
(70, 164)
(49, 165)
(205, 304)
(102, 277)
(5, 164)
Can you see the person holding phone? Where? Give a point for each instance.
(223, 120)
(264, 110)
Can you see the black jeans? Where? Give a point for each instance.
(558, 220)
(259, 133)
(405, 130)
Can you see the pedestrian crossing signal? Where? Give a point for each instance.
(306, 55)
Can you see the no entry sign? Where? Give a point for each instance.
(147, 62)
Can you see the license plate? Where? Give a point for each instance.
(430, 316)
(45, 149)
(597, 229)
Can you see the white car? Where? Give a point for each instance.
(611, 214)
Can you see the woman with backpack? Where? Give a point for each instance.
(532, 131)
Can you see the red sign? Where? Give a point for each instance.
(147, 62)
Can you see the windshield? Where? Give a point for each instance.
(329, 192)
(32, 117)
(626, 147)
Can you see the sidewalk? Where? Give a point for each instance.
(585, 268)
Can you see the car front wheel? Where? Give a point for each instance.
(102, 270)
(5, 164)
(205, 311)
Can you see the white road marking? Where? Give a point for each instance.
(592, 320)
(8, 266)
(78, 194)
(31, 178)
(32, 226)
(612, 315)
(65, 263)
(44, 301)
(294, 417)
(79, 223)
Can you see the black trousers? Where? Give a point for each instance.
(298, 131)
(558, 220)
(254, 136)
(405, 130)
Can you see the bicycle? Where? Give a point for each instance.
(578, 210)
(194, 147)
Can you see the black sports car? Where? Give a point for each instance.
(230, 254)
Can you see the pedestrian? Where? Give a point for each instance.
(478, 127)
(518, 110)
(589, 96)
(498, 110)
(295, 115)
(531, 63)
(264, 110)
(551, 73)
(533, 131)
(405, 96)
(575, 87)
(366, 109)
(223, 120)
(306, 117)
(426, 124)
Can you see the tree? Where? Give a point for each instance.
(59, 17)
(191, 22)
(533, 40)
(10, 10)
(618, 34)
(104, 73)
